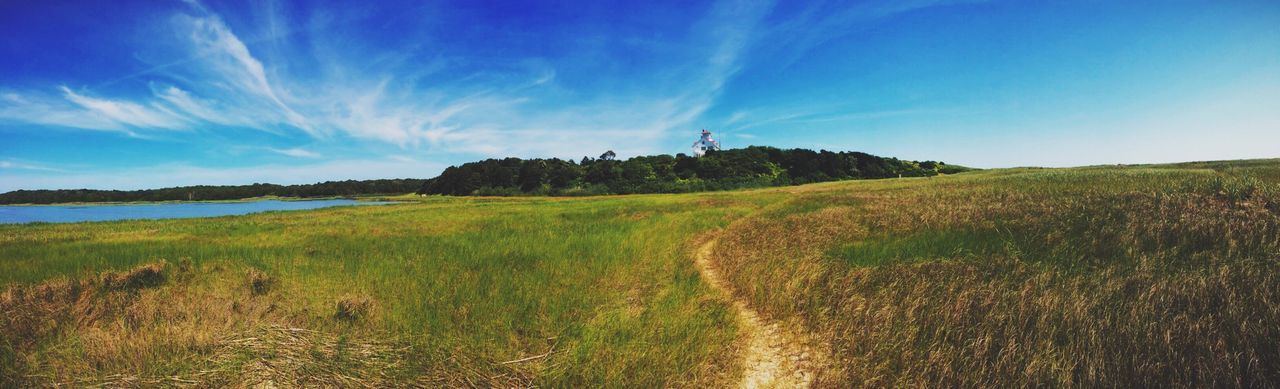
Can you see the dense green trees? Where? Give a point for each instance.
(728, 169)
(205, 192)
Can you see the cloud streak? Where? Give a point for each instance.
(821, 21)
(126, 113)
(228, 57)
(295, 152)
(28, 166)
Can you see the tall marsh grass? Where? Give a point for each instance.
(1119, 276)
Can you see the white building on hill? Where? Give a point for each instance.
(706, 143)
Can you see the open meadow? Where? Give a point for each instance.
(1161, 275)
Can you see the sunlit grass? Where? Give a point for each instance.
(606, 284)
(1101, 276)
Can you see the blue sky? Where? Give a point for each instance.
(139, 94)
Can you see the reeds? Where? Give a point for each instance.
(1128, 277)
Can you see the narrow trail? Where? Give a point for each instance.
(772, 357)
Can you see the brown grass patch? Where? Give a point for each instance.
(353, 307)
(145, 276)
(150, 326)
(259, 282)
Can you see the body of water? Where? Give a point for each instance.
(81, 213)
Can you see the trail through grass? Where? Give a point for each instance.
(773, 357)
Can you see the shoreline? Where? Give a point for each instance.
(244, 200)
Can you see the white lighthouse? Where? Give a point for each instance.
(706, 143)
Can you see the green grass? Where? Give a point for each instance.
(1150, 275)
(466, 283)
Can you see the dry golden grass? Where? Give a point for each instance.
(247, 336)
(1089, 277)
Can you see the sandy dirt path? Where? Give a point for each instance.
(772, 358)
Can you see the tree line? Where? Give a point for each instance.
(754, 166)
(209, 192)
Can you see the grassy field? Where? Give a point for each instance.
(1146, 276)
(1161, 275)
(438, 292)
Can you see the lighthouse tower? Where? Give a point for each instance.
(706, 143)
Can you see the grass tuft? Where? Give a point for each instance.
(145, 276)
(259, 282)
(351, 308)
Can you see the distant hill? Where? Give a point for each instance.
(208, 192)
(754, 166)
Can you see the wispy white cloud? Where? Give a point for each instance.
(125, 112)
(861, 115)
(45, 110)
(403, 158)
(736, 117)
(12, 164)
(766, 117)
(823, 20)
(499, 120)
(296, 152)
(229, 58)
(198, 109)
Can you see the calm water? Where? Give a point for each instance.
(80, 213)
